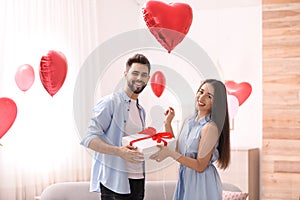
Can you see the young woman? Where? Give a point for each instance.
(204, 139)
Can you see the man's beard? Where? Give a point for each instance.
(138, 89)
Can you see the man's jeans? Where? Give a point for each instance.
(137, 188)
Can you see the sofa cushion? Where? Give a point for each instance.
(155, 190)
(230, 187)
(80, 190)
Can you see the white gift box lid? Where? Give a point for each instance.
(147, 146)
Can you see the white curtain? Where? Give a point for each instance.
(42, 146)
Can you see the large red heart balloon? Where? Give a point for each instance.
(8, 113)
(240, 90)
(169, 23)
(158, 82)
(53, 71)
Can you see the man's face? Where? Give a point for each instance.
(137, 77)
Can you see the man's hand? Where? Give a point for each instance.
(130, 154)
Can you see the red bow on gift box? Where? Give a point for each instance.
(159, 137)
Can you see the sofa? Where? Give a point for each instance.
(155, 190)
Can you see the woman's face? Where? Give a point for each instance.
(204, 98)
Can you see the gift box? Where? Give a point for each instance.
(147, 141)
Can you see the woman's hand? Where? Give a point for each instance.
(163, 153)
(169, 113)
(130, 154)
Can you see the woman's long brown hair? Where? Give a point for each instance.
(219, 114)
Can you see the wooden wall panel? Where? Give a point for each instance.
(280, 166)
(287, 167)
(282, 118)
(281, 133)
(281, 147)
(281, 66)
(281, 186)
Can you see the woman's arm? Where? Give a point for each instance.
(208, 140)
(169, 113)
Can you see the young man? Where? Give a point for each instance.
(118, 171)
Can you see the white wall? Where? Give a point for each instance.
(230, 34)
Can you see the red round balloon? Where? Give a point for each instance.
(240, 90)
(8, 113)
(158, 82)
(169, 23)
(53, 71)
(24, 77)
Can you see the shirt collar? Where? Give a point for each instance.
(203, 120)
(127, 98)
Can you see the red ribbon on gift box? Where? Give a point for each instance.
(159, 137)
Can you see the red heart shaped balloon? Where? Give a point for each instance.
(158, 82)
(169, 23)
(8, 113)
(240, 90)
(53, 71)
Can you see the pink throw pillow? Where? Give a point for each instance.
(228, 195)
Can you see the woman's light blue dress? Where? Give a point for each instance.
(193, 185)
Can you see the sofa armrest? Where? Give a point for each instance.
(69, 191)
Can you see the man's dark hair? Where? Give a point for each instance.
(138, 58)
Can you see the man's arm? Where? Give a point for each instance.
(128, 153)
